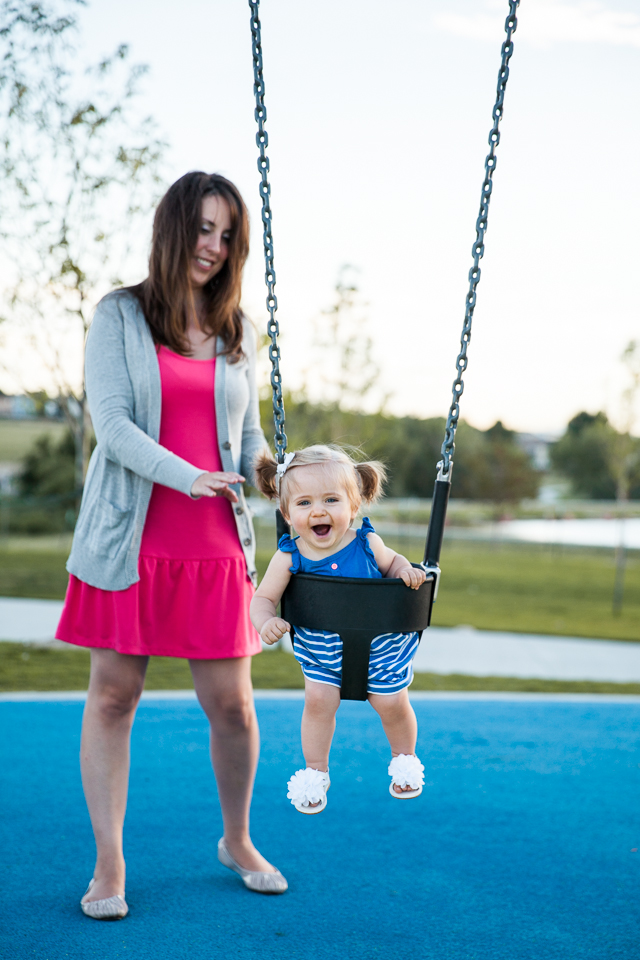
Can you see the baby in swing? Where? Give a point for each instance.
(320, 491)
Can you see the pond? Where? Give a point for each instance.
(583, 533)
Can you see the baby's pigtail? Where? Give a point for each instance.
(265, 468)
(371, 477)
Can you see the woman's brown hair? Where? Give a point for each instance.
(166, 295)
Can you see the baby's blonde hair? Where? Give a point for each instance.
(363, 481)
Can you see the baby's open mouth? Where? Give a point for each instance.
(322, 529)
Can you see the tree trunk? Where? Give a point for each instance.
(620, 564)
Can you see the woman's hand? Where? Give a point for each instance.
(216, 484)
(274, 630)
(412, 576)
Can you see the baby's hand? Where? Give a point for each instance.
(412, 577)
(274, 629)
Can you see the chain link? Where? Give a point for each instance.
(262, 141)
(477, 250)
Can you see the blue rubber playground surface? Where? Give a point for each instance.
(523, 844)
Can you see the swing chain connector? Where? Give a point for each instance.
(442, 476)
(477, 251)
(262, 141)
(433, 572)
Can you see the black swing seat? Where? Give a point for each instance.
(358, 609)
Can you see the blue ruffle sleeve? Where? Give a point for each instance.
(287, 544)
(367, 527)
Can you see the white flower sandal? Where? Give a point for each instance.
(308, 787)
(111, 908)
(406, 770)
(257, 880)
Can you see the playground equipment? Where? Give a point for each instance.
(358, 609)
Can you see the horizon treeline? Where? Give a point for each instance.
(489, 465)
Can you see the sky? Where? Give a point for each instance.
(378, 117)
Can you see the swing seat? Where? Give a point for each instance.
(358, 609)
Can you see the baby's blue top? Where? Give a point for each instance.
(354, 560)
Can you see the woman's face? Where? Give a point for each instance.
(212, 247)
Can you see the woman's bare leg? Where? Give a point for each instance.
(321, 702)
(115, 686)
(225, 693)
(399, 722)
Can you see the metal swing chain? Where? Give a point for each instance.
(262, 141)
(477, 250)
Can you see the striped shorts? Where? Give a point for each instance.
(390, 663)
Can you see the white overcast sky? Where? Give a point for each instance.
(378, 116)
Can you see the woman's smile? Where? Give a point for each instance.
(205, 264)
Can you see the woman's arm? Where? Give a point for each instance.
(263, 611)
(392, 564)
(111, 402)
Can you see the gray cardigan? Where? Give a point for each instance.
(124, 395)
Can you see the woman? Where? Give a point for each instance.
(163, 556)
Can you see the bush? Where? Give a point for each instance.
(489, 465)
(46, 489)
(586, 456)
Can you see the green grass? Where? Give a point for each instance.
(536, 589)
(521, 587)
(18, 436)
(526, 588)
(502, 587)
(33, 573)
(25, 667)
(29, 667)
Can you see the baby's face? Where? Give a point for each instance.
(319, 507)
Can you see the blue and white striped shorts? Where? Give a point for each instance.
(390, 663)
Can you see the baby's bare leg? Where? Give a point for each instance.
(321, 701)
(399, 722)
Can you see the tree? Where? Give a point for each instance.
(488, 464)
(590, 455)
(583, 456)
(491, 466)
(349, 377)
(625, 460)
(45, 488)
(79, 173)
(48, 468)
(624, 463)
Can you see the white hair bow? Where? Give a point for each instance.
(281, 468)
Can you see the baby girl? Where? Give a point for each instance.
(320, 491)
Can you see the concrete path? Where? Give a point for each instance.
(493, 653)
(443, 650)
(29, 620)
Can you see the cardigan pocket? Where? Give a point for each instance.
(110, 528)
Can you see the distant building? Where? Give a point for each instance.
(16, 408)
(537, 446)
(9, 473)
(21, 407)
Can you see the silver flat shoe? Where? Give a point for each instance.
(253, 879)
(111, 908)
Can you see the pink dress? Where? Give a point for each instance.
(192, 599)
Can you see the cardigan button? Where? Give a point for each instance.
(226, 445)
(247, 541)
(239, 511)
